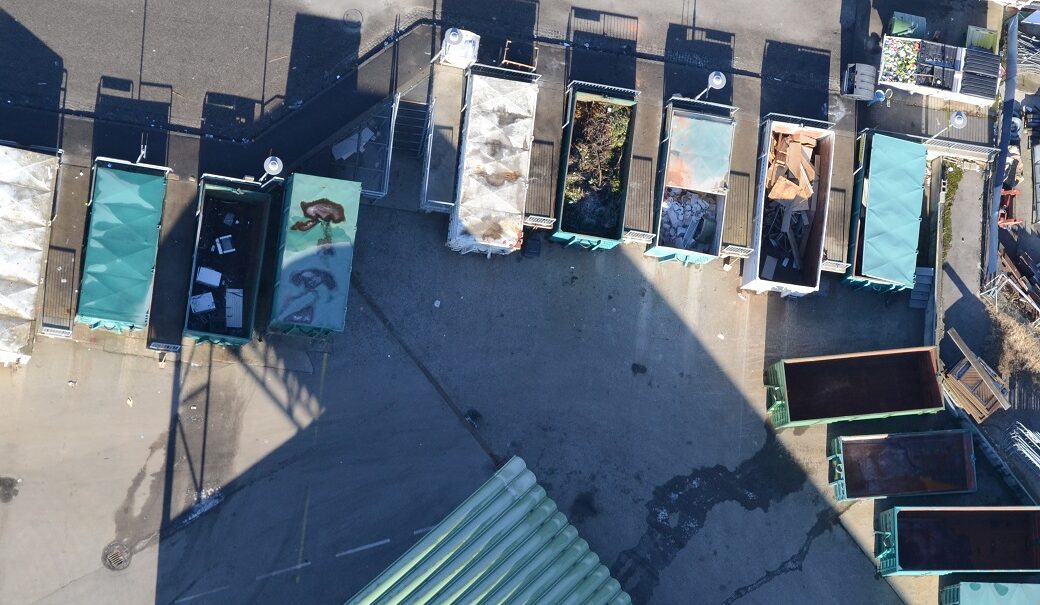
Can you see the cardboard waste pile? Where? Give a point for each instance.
(791, 183)
(688, 219)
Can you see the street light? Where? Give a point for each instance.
(716, 80)
(272, 167)
(958, 120)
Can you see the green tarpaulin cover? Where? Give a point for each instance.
(893, 212)
(125, 215)
(319, 221)
(699, 152)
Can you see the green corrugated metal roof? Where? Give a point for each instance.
(319, 222)
(125, 215)
(893, 219)
(507, 543)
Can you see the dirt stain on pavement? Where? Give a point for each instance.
(8, 489)
(137, 518)
(679, 507)
(584, 507)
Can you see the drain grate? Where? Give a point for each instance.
(116, 556)
(352, 20)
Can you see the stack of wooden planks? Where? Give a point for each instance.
(974, 386)
(792, 179)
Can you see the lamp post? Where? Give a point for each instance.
(716, 80)
(958, 120)
(272, 167)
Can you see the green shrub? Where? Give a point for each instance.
(953, 175)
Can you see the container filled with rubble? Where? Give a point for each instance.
(689, 220)
(790, 209)
(692, 197)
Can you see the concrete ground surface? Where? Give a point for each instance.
(962, 272)
(294, 472)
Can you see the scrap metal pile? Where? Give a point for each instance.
(688, 219)
(1024, 274)
(899, 57)
(791, 183)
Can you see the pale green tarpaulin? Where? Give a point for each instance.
(506, 544)
(893, 210)
(699, 152)
(990, 593)
(319, 222)
(125, 216)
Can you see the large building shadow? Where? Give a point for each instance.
(795, 80)
(948, 20)
(32, 87)
(206, 416)
(680, 463)
(513, 21)
(119, 112)
(692, 53)
(308, 122)
(603, 47)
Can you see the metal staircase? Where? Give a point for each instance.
(410, 129)
(924, 281)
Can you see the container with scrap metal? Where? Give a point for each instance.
(693, 183)
(928, 541)
(594, 165)
(495, 157)
(902, 464)
(968, 74)
(854, 386)
(887, 202)
(229, 250)
(790, 216)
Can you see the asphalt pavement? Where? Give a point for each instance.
(289, 474)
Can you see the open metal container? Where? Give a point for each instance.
(902, 464)
(229, 252)
(854, 386)
(930, 541)
(692, 182)
(775, 265)
(580, 222)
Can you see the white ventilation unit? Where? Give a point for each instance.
(459, 48)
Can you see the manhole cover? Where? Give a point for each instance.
(352, 20)
(116, 556)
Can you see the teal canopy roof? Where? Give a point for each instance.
(893, 210)
(125, 216)
(699, 151)
(319, 222)
(506, 544)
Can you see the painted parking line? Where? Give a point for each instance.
(286, 570)
(201, 594)
(364, 547)
(422, 530)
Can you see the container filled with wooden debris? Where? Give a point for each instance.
(791, 209)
